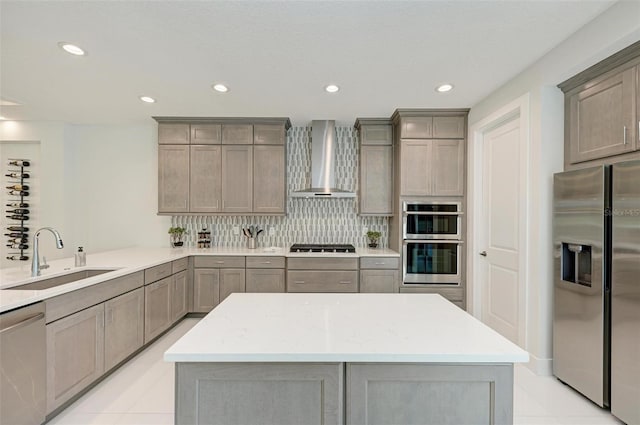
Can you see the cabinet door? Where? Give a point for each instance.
(173, 134)
(173, 178)
(379, 281)
(206, 289)
(157, 308)
(415, 179)
(376, 135)
(602, 119)
(269, 134)
(75, 354)
(237, 178)
(376, 180)
(205, 134)
(265, 280)
(237, 134)
(448, 128)
(231, 280)
(205, 193)
(269, 179)
(179, 291)
(447, 167)
(416, 128)
(124, 327)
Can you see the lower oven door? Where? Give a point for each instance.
(432, 262)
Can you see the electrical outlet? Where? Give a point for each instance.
(365, 229)
(236, 230)
(272, 231)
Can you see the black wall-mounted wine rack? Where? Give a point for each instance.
(18, 208)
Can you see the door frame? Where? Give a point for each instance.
(518, 108)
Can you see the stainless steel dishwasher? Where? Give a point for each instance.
(23, 357)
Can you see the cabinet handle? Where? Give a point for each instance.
(298, 282)
(101, 321)
(219, 262)
(266, 262)
(624, 140)
(345, 281)
(380, 263)
(109, 316)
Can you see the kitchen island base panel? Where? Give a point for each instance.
(314, 393)
(265, 393)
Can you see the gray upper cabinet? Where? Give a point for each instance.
(448, 127)
(237, 178)
(601, 118)
(237, 134)
(375, 196)
(269, 134)
(269, 179)
(173, 134)
(173, 178)
(124, 327)
(206, 134)
(206, 165)
(602, 111)
(416, 128)
(432, 168)
(205, 179)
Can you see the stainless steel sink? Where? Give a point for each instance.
(61, 280)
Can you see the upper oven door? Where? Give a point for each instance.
(432, 221)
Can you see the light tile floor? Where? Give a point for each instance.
(141, 393)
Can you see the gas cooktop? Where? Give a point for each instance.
(298, 247)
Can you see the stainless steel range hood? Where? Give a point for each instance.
(323, 163)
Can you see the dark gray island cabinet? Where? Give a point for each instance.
(343, 359)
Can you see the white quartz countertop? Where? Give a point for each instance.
(342, 328)
(127, 261)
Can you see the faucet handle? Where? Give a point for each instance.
(44, 264)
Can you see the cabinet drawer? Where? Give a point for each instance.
(66, 304)
(265, 262)
(219, 261)
(322, 281)
(179, 265)
(156, 273)
(300, 263)
(380, 263)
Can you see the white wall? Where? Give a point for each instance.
(98, 184)
(615, 29)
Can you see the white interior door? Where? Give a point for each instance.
(501, 278)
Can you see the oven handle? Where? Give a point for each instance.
(455, 241)
(432, 213)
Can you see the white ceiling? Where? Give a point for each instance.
(276, 57)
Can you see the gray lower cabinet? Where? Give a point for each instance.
(206, 289)
(265, 393)
(322, 281)
(231, 280)
(173, 178)
(179, 295)
(265, 280)
(436, 394)
(157, 308)
(124, 327)
(382, 281)
(75, 354)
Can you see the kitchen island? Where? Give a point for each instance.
(343, 358)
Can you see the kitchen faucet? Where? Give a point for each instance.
(35, 263)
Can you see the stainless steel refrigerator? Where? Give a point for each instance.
(596, 323)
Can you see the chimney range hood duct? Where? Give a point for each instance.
(323, 163)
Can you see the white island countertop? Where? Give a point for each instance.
(342, 328)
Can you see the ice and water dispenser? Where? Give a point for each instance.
(576, 263)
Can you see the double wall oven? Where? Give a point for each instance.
(432, 243)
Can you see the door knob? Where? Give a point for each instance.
(483, 253)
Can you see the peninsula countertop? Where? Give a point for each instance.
(130, 260)
(342, 328)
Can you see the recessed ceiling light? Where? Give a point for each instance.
(72, 48)
(147, 99)
(332, 88)
(443, 88)
(221, 88)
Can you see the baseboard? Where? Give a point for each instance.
(541, 367)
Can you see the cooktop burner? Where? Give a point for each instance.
(298, 247)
